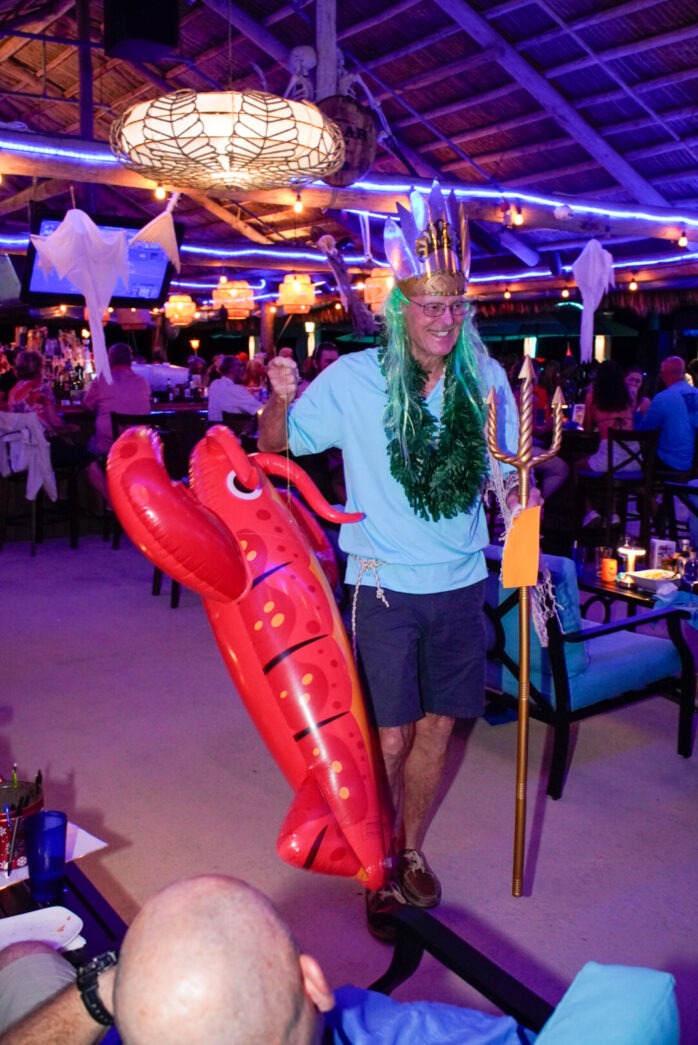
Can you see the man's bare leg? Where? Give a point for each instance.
(396, 743)
(423, 770)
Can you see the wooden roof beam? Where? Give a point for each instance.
(34, 194)
(552, 101)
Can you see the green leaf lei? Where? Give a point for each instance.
(442, 468)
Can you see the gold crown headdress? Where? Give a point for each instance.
(429, 251)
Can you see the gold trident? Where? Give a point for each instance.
(523, 461)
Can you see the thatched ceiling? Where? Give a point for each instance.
(584, 103)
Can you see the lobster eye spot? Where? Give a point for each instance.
(238, 490)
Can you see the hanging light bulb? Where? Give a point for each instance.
(298, 204)
(296, 294)
(518, 216)
(632, 285)
(565, 293)
(683, 239)
(507, 294)
(159, 192)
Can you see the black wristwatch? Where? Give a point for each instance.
(87, 985)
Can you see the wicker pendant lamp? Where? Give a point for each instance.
(227, 140)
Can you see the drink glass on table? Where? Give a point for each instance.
(609, 566)
(45, 835)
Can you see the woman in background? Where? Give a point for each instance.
(635, 383)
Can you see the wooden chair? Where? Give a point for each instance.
(630, 472)
(245, 428)
(587, 668)
(687, 494)
(25, 462)
(176, 469)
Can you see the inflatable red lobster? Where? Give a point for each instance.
(237, 541)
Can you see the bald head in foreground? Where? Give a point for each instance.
(209, 959)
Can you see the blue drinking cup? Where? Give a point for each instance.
(45, 834)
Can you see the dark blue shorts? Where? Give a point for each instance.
(423, 653)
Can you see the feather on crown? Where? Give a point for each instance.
(429, 250)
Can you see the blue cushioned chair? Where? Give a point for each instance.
(587, 667)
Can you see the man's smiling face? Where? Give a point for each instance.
(432, 338)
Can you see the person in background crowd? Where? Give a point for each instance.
(607, 406)
(31, 393)
(214, 370)
(127, 393)
(227, 395)
(674, 412)
(255, 375)
(325, 355)
(692, 371)
(635, 383)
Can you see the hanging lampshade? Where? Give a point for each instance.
(235, 297)
(227, 139)
(296, 294)
(377, 287)
(180, 310)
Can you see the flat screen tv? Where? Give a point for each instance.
(149, 269)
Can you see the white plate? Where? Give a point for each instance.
(56, 926)
(650, 580)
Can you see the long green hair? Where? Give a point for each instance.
(441, 471)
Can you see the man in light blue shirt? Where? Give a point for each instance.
(409, 418)
(674, 411)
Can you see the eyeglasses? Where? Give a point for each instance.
(437, 308)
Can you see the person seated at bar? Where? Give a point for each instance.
(674, 412)
(227, 395)
(209, 959)
(128, 393)
(608, 405)
(255, 375)
(32, 394)
(635, 383)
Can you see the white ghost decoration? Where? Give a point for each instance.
(94, 261)
(593, 274)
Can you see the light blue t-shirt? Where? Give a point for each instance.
(675, 413)
(344, 407)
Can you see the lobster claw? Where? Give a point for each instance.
(168, 524)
